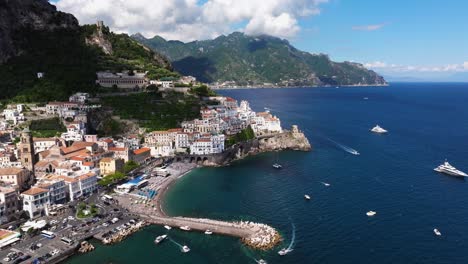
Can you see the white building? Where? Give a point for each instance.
(79, 98)
(8, 203)
(75, 132)
(36, 202)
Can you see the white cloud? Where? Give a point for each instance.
(395, 68)
(189, 20)
(369, 27)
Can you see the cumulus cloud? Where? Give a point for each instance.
(395, 68)
(369, 27)
(188, 20)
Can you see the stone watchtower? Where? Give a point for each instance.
(26, 148)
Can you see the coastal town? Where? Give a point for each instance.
(88, 184)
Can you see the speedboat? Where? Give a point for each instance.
(208, 232)
(449, 169)
(277, 166)
(307, 197)
(185, 228)
(284, 251)
(261, 261)
(185, 249)
(167, 227)
(371, 213)
(159, 239)
(355, 152)
(437, 232)
(326, 184)
(379, 130)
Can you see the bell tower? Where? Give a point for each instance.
(26, 148)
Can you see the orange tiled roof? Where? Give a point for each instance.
(140, 151)
(34, 191)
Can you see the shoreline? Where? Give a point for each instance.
(295, 87)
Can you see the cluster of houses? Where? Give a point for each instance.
(36, 174)
(207, 135)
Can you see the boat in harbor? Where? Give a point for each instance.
(379, 130)
(307, 197)
(371, 213)
(277, 166)
(447, 168)
(167, 227)
(185, 249)
(261, 261)
(437, 232)
(208, 232)
(185, 228)
(160, 239)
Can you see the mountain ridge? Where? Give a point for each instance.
(256, 60)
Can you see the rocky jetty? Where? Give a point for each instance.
(122, 234)
(264, 237)
(85, 247)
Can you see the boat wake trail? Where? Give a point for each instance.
(175, 243)
(293, 239)
(345, 148)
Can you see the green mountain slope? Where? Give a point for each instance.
(257, 60)
(45, 40)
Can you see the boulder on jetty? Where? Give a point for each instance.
(124, 233)
(85, 247)
(264, 237)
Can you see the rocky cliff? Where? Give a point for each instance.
(25, 15)
(293, 139)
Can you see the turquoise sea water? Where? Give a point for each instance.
(393, 176)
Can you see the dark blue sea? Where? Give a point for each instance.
(393, 175)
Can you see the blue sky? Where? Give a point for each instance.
(397, 38)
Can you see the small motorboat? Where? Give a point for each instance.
(167, 227)
(307, 197)
(185, 228)
(371, 213)
(185, 249)
(284, 251)
(160, 239)
(277, 166)
(326, 184)
(261, 261)
(208, 232)
(437, 232)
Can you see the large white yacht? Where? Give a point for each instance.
(159, 239)
(379, 130)
(449, 169)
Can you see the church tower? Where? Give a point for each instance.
(26, 148)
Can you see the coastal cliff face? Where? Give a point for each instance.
(289, 140)
(293, 139)
(18, 16)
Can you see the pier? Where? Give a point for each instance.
(256, 235)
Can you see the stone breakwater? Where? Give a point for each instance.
(111, 237)
(265, 237)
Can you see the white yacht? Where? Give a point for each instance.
(185, 249)
(167, 227)
(326, 184)
(307, 197)
(159, 239)
(371, 213)
(449, 169)
(379, 130)
(185, 228)
(208, 232)
(437, 232)
(277, 166)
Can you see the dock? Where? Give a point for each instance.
(256, 235)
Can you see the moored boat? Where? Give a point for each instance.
(185, 228)
(307, 197)
(379, 130)
(437, 232)
(371, 213)
(167, 227)
(277, 166)
(208, 232)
